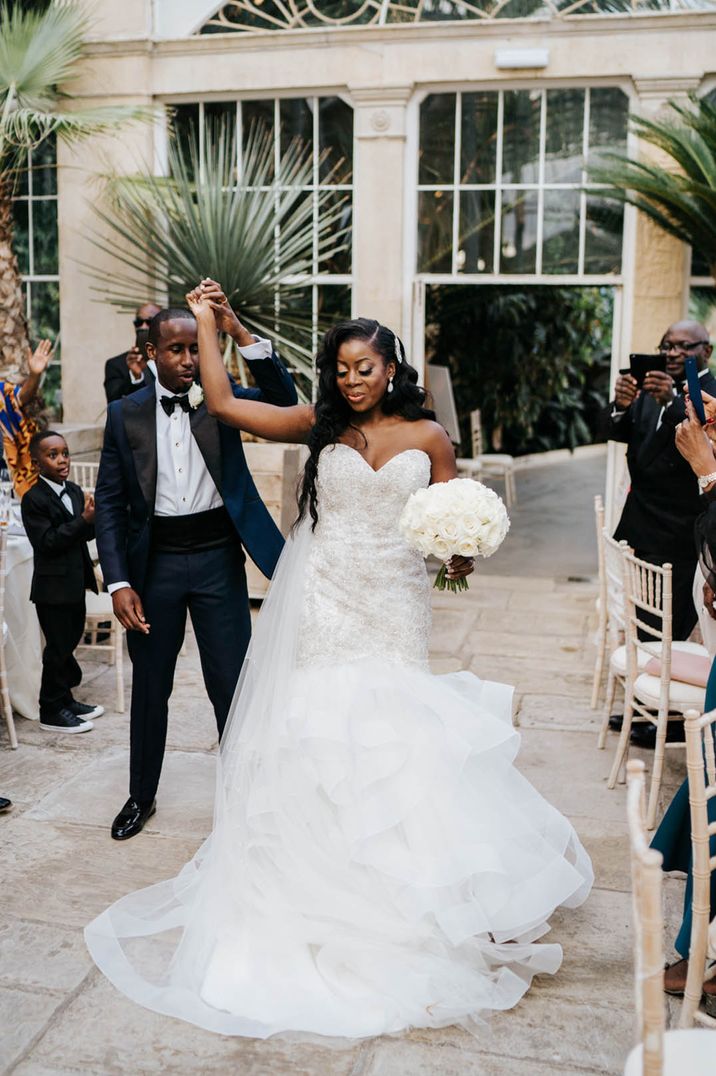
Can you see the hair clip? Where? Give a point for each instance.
(398, 355)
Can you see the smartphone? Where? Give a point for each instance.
(140, 340)
(694, 382)
(640, 365)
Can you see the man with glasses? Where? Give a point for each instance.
(129, 371)
(664, 498)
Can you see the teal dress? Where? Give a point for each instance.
(673, 839)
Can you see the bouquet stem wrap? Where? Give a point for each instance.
(457, 518)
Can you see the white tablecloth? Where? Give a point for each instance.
(23, 650)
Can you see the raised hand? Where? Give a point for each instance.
(693, 444)
(198, 303)
(660, 386)
(626, 391)
(227, 320)
(38, 360)
(136, 362)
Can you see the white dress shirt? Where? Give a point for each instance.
(184, 485)
(61, 490)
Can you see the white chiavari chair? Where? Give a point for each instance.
(701, 768)
(648, 695)
(613, 554)
(488, 464)
(659, 1052)
(601, 637)
(84, 474)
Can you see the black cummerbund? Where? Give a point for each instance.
(193, 534)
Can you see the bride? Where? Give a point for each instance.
(376, 861)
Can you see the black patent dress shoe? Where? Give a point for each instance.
(615, 722)
(644, 734)
(132, 818)
(5, 804)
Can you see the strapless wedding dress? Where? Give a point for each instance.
(377, 863)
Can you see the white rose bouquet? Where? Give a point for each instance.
(456, 518)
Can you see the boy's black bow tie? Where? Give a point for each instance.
(170, 402)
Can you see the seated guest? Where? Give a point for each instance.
(664, 497)
(18, 423)
(59, 520)
(673, 837)
(129, 371)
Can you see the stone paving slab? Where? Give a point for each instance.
(186, 806)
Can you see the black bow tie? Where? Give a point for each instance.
(170, 402)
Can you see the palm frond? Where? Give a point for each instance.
(255, 232)
(680, 197)
(39, 51)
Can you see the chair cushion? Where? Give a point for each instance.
(499, 459)
(685, 667)
(691, 1051)
(469, 465)
(648, 652)
(682, 697)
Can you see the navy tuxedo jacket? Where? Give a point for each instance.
(664, 499)
(127, 479)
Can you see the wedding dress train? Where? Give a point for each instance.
(376, 863)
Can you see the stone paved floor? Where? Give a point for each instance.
(59, 868)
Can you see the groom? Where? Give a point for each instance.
(174, 504)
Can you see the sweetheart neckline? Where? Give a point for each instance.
(375, 470)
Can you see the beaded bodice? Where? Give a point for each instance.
(366, 593)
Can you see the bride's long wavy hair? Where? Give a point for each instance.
(333, 415)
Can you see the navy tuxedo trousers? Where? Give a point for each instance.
(211, 587)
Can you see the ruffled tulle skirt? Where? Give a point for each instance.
(377, 864)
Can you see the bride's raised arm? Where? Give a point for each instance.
(253, 416)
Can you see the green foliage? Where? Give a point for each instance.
(535, 360)
(252, 233)
(39, 50)
(681, 199)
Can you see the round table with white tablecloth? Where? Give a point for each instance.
(23, 649)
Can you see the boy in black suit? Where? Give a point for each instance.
(59, 520)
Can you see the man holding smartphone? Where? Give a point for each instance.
(128, 372)
(664, 498)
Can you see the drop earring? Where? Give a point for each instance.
(390, 384)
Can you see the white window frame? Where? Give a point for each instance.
(315, 279)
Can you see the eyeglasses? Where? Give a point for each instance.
(138, 322)
(680, 345)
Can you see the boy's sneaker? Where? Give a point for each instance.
(85, 710)
(65, 721)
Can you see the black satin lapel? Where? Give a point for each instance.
(205, 430)
(140, 424)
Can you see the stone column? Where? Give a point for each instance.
(657, 266)
(379, 192)
(92, 330)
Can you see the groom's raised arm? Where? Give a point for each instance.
(112, 507)
(274, 383)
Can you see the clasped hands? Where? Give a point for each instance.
(210, 295)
